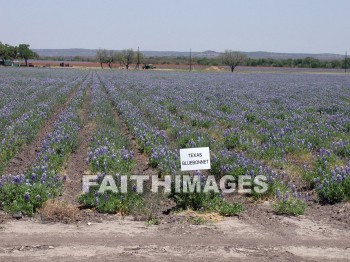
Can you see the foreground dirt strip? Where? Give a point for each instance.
(231, 239)
(76, 165)
(26, 157)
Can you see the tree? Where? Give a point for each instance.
(110, 58)
(232, 59)
(25, 53)
(8, 51)
(2, 50)
(102, 56)
(128, 57)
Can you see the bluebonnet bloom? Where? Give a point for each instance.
(26, 196)
(278, 193)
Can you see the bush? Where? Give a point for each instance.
(331, 194)
(206, 202)
(20, 197)
(291, 206)
(231, 139)
(226, 209)
(110, 202)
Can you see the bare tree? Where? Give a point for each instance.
(128, 57)
(110, 59)
(102, 56)
(232, 59)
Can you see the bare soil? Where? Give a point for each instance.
(256, 235)
(76, 165)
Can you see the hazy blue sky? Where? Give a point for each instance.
(306, 26)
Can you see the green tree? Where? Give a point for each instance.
(10, 52)
(3, 50)
(25, 53)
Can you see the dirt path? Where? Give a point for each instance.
(26, 157)
(264, 237)
(76, 165)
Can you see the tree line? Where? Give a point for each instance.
(127, 57)
(229, 58)
(22, 51)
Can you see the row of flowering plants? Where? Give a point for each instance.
(280, 121)
(23, 118)
(109, 154)
(148, 121)
(26, 192)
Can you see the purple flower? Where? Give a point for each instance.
(26, 196)
(307, 197)
(134, 188)
(278, 193)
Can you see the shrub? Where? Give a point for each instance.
(110, 202)
(231, 139)
(291, 206)
(206, 202)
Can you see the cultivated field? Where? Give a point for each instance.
(291, 127)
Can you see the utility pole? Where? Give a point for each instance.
(138, 58)
(346, 58)
(190, 60)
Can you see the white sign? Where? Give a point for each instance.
(195, 158)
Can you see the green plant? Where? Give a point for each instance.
(231, 140)
(226, 209)
(196, 220)
(206, 202)
(110, 202)
(331, 194)
(153, 222)
(290, 206)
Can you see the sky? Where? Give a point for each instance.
(286, 26)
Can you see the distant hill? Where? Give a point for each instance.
(72, 52)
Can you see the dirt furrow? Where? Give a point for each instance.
(26, 157)
(142, 161)
(76, 164)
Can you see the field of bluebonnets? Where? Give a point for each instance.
(293, 128)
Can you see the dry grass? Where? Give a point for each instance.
(212, 217)
(56, 211)
(301, 159)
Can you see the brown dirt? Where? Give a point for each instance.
(26, 157)
(76, 165)
(256, 235)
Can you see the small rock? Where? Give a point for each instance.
(17, 215)
(51, 247)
